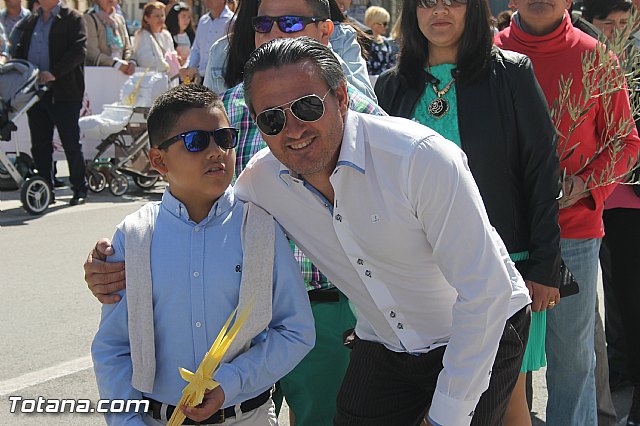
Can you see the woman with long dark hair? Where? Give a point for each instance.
(180, 26)
(451, 78)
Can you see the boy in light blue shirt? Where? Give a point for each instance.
(197, 261)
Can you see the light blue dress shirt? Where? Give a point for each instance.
(196, 272)
(39, 46)
(209, 30)
(10, 22)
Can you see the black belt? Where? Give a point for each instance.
(331, 295)
(218, 417)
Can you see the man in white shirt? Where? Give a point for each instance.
(389, 210)
(211, 27)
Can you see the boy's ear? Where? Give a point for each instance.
(156, 158)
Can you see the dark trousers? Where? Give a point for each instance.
(382, 387)
(43, 117)
(619, 260)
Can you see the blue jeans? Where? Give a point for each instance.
(570, 332)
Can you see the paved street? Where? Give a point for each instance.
(49, 317)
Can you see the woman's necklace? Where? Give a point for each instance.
(439, 107)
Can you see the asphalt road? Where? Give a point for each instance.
(48, 317)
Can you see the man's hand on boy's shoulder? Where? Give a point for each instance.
(103, 278)
(213, 400)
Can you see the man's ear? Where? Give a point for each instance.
(156, 158)
(327, 30)
(343, 98)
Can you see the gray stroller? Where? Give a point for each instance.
(18, 92)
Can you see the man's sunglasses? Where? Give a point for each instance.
(287, 24)
(309, 108)
(198, 140)
(433, 3)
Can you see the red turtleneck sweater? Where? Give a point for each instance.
(556, 54)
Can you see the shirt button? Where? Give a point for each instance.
(339, 218)
(360, 262)
(367, 273)
(196, 274)
(392, 314)
(400, 326)
(198, 324)
(196, 229)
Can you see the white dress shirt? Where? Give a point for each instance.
(408, 240)
(208, 31)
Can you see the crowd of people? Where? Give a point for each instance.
(434, 193)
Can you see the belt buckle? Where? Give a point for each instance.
(222, 419)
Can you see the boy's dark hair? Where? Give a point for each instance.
(287, 51)
(169, 107)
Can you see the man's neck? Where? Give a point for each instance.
(215, 13)
(14, 11)
(539, 30)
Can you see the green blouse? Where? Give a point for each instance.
(447, 125)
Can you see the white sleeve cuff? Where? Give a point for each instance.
(447, 411)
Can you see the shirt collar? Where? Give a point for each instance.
(222, 205)
(54, 12)
(351, 149)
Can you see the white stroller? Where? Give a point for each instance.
(18, 92)
(122, 129)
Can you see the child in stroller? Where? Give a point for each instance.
(18, 92)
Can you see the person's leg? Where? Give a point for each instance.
(570, 338)
(621, 227)
(66, 116)
(382, 387)
(606, 410)
(517, 413)
(616, 345)
(312, 387)
(41, 129)
(504, 373)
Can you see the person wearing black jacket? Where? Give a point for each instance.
(54, 40)
(451, 78)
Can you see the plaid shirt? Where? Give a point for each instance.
(250, 141)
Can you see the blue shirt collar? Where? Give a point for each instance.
(222, 205)
(54, 12)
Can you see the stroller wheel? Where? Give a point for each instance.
(119, 184)
(145, 182)
(97, 181)
(35, 195)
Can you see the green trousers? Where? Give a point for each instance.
(312, 387)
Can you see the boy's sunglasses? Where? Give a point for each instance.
(309, 108)
(287, 24)
(198, 140)
(432, 3)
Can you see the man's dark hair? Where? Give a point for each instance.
(169, 107)
(287, 51)
(320, 8)
(600, 9)
(474, 50)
